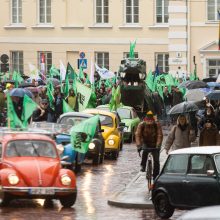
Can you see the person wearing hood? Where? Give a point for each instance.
(180, 136)
(209, 134)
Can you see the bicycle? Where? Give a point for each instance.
(149, 166)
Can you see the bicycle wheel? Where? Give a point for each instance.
(149, 174)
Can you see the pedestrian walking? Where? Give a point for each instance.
(149, 135)
(180, 136)
(209, 134)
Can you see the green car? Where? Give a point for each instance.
(129, 116)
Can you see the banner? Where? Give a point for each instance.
(104, 73)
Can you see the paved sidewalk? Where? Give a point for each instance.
(135, 194)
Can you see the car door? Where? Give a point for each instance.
(203, 189)
(173, 177)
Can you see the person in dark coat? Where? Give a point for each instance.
(41, 114)
(209, 134)
(177, 96)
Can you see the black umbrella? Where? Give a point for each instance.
(193, 84)
(214, 95)
(20, 92)
(210, 79)
(183, 107)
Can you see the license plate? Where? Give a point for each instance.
(41, 191)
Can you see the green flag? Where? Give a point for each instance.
(82, 134)
(72, 75)
(81, 74)
(83, 95)
(132, 47)
(17, 78)
(50, 97)
(28, 108)
(54, 71)
(13, 120)
(150, 81)
(115, 99)
(66, 107)
(66, 87)
(92, 100)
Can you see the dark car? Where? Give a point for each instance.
(190, 178)
(96, 147)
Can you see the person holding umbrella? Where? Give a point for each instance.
(180, 136)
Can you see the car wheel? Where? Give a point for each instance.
(96, 159)
(68, 201)
(115, 155)
(162, 206)
(6, 199)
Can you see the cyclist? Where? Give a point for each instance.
(149, 137)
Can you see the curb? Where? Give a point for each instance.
(134, 195)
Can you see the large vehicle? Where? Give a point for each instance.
(134, 92)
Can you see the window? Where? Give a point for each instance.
(102, 59)
(44, 11)
(126, 55)
(132, 11)
(101, 11)
(212, 9)
(213, 67)
(162, 59)
(47, 61)
(17, 61)
(176, 164)
(16, 11)
(106, 120)
(162, 11)
(199, 164)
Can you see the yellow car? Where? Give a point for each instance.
(112, 131)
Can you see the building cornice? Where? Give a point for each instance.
(101, 41)
(72, 26)
(101, 26)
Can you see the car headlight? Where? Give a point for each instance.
(65, 180)
(125, 129)
(13, 179)
(91, 146)
(111, 142)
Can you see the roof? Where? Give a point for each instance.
(25, 136)
(198, 150)
(100, 112)
(76, 114)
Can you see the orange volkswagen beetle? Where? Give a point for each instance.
(30, 168)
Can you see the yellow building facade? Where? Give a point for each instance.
(167, 33)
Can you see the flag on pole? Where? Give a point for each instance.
(104, 73)
(92, 73)
(82, 134)
(13, 120)
(83, 95)
(62, 71)
(54, 71)
(34, 72)
(66, 107)
(132, 47)
(29, 107)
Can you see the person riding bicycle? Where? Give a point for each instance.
(149, 135)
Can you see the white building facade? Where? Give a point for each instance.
(168, 33)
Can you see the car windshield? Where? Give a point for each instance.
(217, 162)
(71, 120)
(106, 120)
(27, 148)
(124, 113)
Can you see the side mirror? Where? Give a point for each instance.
(210, 172)
(64, 158)
(121, 124)
(101, 130)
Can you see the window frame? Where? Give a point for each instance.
(216, 19)
(19, 65)
(163, 69)
(132, 12)
(102, 12)
(163, 12)
(216, 68)
(18, 15)
(45, 12)
(103, 59)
